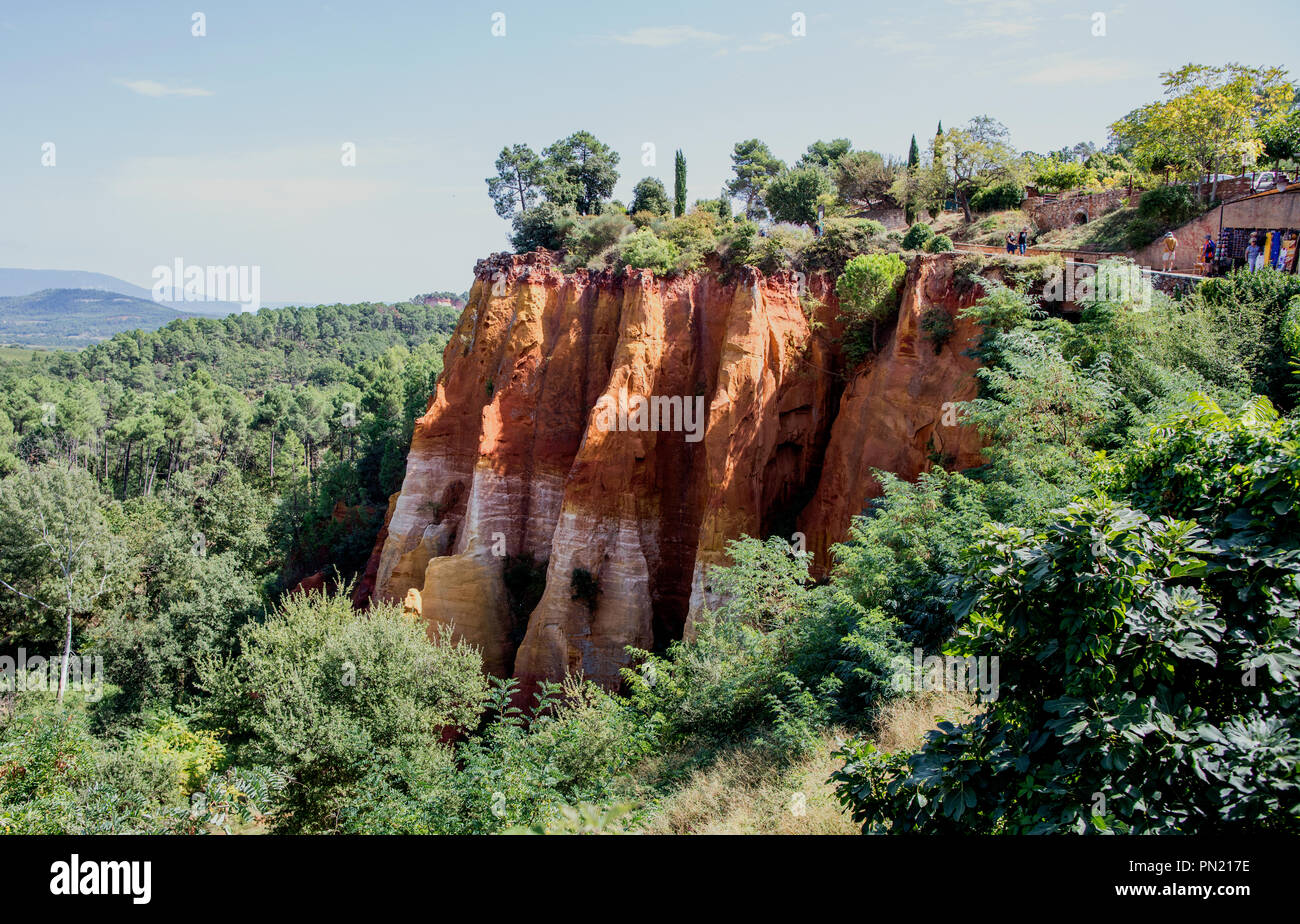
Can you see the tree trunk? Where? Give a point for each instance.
(126, 469)
(67, 653)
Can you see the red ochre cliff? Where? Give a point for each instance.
(529, 460)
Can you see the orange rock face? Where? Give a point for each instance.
(597, 439)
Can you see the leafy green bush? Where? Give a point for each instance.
(644, 250)
(781, 248)
(1248, 310)
(868, 294)
(1169, 205)
(590, 237)
(1148, 653)
(937, 326)
(840, 241)
(545, 225)
(55, 776)
(330, 696)
(917, 236)
(649, 195)
(940, 243)
(903, 557)
(792, 195)
(774, 659)
(998, 197)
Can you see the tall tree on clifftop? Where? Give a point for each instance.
(580, 172)
(518, 181)
(754, 165)
(679, 184)
(909, 199)
(649, 195)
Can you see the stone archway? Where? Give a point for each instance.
(1080, 217)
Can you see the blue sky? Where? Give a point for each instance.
(225, 149)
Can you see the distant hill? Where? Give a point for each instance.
(72, 318)
(15, 281)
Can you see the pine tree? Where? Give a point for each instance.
(679, 185)
(913, 155)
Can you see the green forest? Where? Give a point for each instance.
(1136, 519)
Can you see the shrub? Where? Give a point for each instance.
(940, 243)
(916, 236)
(999, 197)
(693, 236)
(868, 293)
(1248, 312)
(841, 239)
(937, 326)
(543, 226)
(330, 696)
(780, 249)
(774, 660)
(649, 195)
(1169, 205)
(644, 250)
(588, 237)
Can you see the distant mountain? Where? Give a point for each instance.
(15, 281)
(72, 318)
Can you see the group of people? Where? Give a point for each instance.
(1016, 243)
(1258, 255)
(1277, 250)
(1170, 250)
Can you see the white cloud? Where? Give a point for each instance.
(154, 88)
(664, 36)
(766, 42)
(281, 185)
(1082, 70)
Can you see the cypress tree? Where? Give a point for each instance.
(679, 184)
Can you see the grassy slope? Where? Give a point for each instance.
(742, 792)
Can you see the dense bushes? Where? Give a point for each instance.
(1148, 649)
(1249, 311)
(329, 696)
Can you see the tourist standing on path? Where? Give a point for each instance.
(1023, 240)
(1207, 254)
(1168, 253)
(1011, 242)
(1253, 251)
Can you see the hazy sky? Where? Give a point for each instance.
(225, 149)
